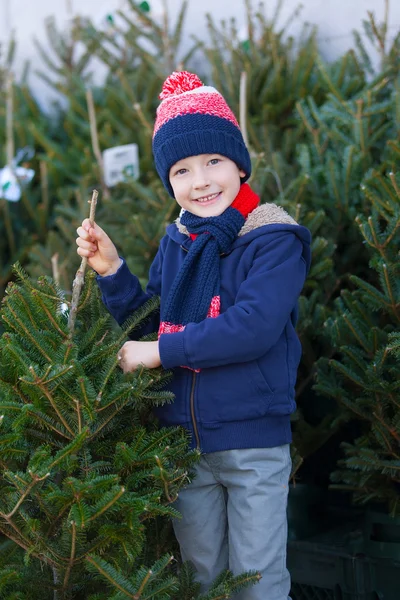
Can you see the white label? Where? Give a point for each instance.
(10, 183)
(120, 164)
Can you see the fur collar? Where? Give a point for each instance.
(265, 214)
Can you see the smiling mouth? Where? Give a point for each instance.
(205, 200)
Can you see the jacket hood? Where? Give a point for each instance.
(263, 220)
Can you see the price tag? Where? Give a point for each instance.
(121, 163)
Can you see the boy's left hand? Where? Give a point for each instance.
(134, 354)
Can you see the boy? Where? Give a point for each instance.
(229, 273)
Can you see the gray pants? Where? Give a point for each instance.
(234, 517)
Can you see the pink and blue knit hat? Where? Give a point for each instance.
(195, 119)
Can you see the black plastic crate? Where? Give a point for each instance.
(382, 578)
(302, 591)
(324, 572)
(331, 572)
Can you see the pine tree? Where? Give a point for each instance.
(363, 375)
(23, 222)
(138, 53)
(262, 72)
(348, 135)
(84, 467)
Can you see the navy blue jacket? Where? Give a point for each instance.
(248, 356)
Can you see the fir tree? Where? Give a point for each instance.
(84, 467)
(26, 221)
(363, 375)
(348, 136)
(132, 48)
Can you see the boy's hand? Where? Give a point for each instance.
(100, 251)
(134, 354)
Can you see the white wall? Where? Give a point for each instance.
(335, 19)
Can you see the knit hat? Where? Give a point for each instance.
(195, 119)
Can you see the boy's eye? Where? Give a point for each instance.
(215, 161)
(180, 171)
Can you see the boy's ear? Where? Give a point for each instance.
(242, 173)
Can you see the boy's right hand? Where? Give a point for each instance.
(98, 248)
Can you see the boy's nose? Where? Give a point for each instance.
(200, 181)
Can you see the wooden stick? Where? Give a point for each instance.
(95, 141)
(9, 157)
(54, 268)
(80, 274)
(243, 107)
(9, 121)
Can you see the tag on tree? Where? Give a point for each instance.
(12, 182)
(121, 164)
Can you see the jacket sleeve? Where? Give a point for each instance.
(122, 294)
(253, 325)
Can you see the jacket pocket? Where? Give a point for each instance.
(234, 392)
(177, 412)
(261, 379)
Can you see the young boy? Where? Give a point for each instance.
(229, 273)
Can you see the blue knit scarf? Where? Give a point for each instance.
(198, 280)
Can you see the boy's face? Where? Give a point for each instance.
(205, 184)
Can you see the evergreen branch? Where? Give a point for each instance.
(25, 545)
(72, 556)
(37, 294)
(360, 340)
(390, 237)
(145, 581)
(54, 377)
(49, 397)
(78, 412)
(43, 418)
(35, 480)
(107, 420)
(393, 433)
(67, 353)
(57, 518)
(164, 481)
(106, 379)
(394, 183)
(378, 246)
(110, 574)
(71, 448)
(359, 117)
(80, 274)
(390, 292)
(108, 505)
(88, 406)
(26, 331)
(21, 298)
(142, 118)
(114, 399)
(371, 291)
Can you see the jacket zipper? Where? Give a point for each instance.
(192, 413)
(196, 431)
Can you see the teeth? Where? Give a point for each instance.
(207, 198)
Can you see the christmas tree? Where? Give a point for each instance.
(348, 135)
(138, 53)
(363, 374)
(25, 205)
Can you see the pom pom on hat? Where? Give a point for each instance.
(195, 119)
(180, 82)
